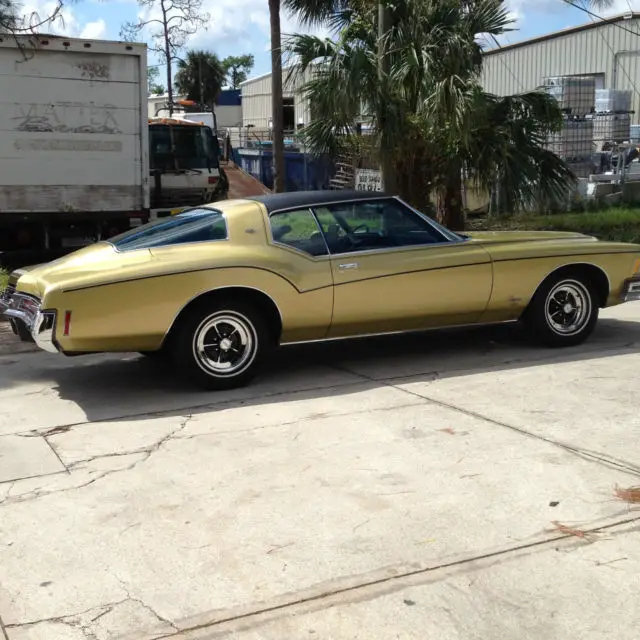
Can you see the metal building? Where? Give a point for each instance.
(607, 49)
(256, 100)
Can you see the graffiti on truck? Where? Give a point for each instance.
(66, 117)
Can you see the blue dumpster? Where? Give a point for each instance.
(304, 172)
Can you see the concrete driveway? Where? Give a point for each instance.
(453, 485)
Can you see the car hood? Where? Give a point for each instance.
(94, 264)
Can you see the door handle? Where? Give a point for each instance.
(348, 265)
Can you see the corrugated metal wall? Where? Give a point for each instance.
(610, 51)
(256, 98)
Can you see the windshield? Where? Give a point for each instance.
(182, 147)
(197, 225)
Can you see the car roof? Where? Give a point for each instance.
(294, 199)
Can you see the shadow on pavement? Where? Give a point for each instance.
(119, 386)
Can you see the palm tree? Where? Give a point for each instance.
(430, 117)
(7, 16)
(200, 77)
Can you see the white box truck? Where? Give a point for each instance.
(76, 163)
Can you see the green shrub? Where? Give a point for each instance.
(618, 224)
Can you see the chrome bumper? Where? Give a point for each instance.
(631, 290)
(27, 319)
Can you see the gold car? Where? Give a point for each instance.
(218, 287)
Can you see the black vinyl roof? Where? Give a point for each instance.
(294, 199)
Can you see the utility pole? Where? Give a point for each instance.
(200, 82)
(167, 53)
(387, 167)
(276, 97)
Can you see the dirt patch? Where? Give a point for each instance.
(10, 343)
(242, 184)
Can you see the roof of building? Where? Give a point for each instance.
(226, 97)
(293, 199)
(566, 32)
(261, 76)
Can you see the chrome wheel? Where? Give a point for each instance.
(568, 307)
(225, 344)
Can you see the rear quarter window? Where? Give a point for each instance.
(197, 225)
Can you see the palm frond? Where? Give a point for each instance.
(426, 106)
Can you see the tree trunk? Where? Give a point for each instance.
(214, 118)
(450, 211)
(387, 164)
(167, 53)
(276, 97)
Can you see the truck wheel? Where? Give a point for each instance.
(220, 345)
(563, 312)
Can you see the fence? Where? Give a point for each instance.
(252, 138)
(596, 137)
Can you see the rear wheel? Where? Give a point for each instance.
(563, 312)
(220, 345)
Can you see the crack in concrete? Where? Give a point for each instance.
(306, 600)
(3, 630)
(74, 620)
(586, 454)
(178, 411)
(312, 417)
(69, 618)
(148, 451)
(145, 453)
(144, 605)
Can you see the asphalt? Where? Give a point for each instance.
(451, 485)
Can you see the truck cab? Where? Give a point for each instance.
(184, 164)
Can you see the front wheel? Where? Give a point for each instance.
(563, 312)
(220, 345)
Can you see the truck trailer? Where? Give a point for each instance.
(80, 160)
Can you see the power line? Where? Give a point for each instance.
(506, 65)
(613, 21)
(606, 41)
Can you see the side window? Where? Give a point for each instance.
(197, 225)
(299, 230)
(361, 226)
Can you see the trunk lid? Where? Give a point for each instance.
(96, 263)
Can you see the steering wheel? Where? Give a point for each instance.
(348, 231)
(360, 226)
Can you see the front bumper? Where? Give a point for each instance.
(27, 318)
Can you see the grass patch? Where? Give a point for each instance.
(4, 278)
(615, 224)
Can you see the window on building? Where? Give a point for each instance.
(288, 114)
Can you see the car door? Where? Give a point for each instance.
(299, 253)
(395, 270)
